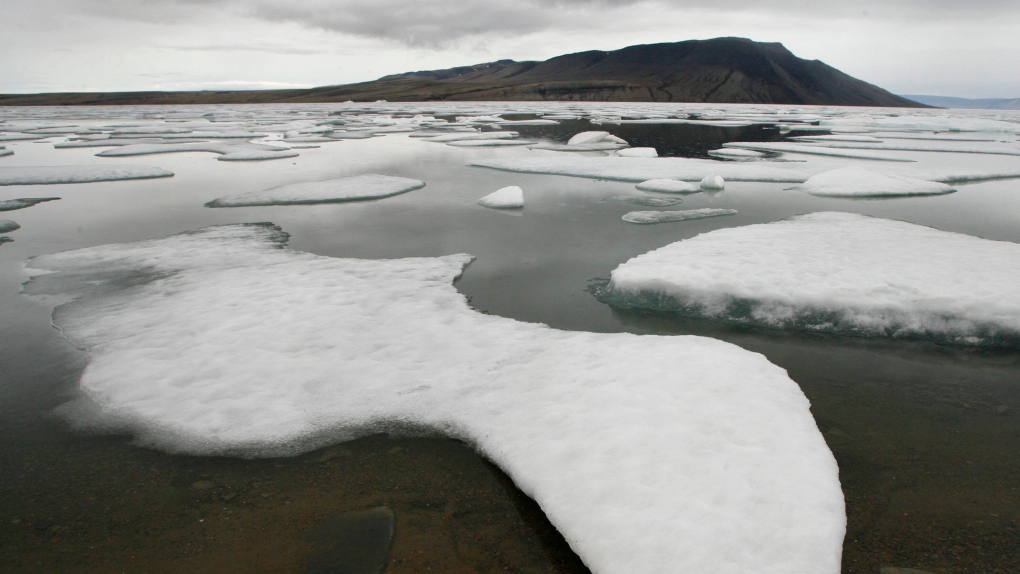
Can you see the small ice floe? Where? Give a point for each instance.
(542, 122)
(53, 174)
(489, 143)
(859, 182)
(648, 217)
(838, 272)
(7, 226)
(462, 136)
(150, 130)
(354, 188)
(589, 138)
(838, 138)
(787, 147)
(668, 186)
(23, 202)
(510, 197)
(228, 151)
(712, 183)
(649, 453)
(350, 135)
(649, 201)
(4, 151)
(16, 137)
(736, 154)
(598, 146)
(638, 152)
(118, 142)
(5, 239)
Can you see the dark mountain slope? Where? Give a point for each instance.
(723, 70)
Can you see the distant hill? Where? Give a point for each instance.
(968, 104)
(722, 70)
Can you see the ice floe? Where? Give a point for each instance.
(5, 239)
(649, 453)
(461, 136)
(648, 217)
(638, 152)
(598, 146)
(648, 201)
(228, 151)
(926, 123)
(712, 182)
(860, 182)
(510, 197)
(353, 188)
(23, 202)
(839, 272)
(737, 154)
(7, 226)
(588, 138)
(20, 137)
(786, 147)
(5, 152)
(489, 143)
(53, 174)
(668, 186)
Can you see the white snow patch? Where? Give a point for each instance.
(859, 182)
(354, 188)
(649, 453)
(838, 272)
(510, 197)
(647, 217)
(53, 174)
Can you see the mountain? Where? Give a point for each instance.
(967, 103)
(721, 70)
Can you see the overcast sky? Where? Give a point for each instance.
(939, 47)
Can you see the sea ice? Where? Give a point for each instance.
(859, 182)
(52, 174)
(510, 197)
(228, 151)
(649, 453)
(649, 201)
(712, 183)
(461, 136)
(5, 239)
(489, 143)
(786, 147)
(354, 188)
(7, 226)
(588, 138)
(738, 154)
(839, 272)
(23, 202)
(4, 151)
(668, 186)
(638, 152)
(647, 217)
(7, 137)
(926, 123)
(598, 146)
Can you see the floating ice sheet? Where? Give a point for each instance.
(7, 226)
(926, 123)
(52, 174)
(668, 186)
(228, 151)
(838, 272)
(738, 154)
(354, 188)
(647, 217)
(638, 152)
(489, 143)
(510, 197)
(786, 147)
(649, 453)
(461, 136)
(4, 152)
(23, 202)
(859, 182)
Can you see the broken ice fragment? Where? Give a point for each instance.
(647, 217)
(510, 197)
(354, 188)
(712, 183)
(668, 186)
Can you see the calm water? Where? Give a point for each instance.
(927, 437)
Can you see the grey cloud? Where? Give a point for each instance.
(268, 49)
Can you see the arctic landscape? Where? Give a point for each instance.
(701, 337)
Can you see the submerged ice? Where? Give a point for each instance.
(353, 188)
(649, 453)
(648, 217)
(838, 272)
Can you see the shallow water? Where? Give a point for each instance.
(927, 437)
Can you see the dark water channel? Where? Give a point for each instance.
(927, 437)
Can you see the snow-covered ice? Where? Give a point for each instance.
(787, 147)
(462, 136)
(738, 154)
(597, 146)
(23, 202)
(712, 182)
(839, 272)
(668, 186)
(649, 453)
(588, 138)
(510, 197)
(648, 217)
(860, 182)
(353, 188)
(229, 151)
(7, 226)
(52, 174)
(638, 152)
(490, 143)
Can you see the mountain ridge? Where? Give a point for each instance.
(720, 70)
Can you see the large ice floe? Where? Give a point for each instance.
(229, 151)
(343, 189)
(53, 174)
(648, 453)
(838, 272)
(859, 182)
(649, 217)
